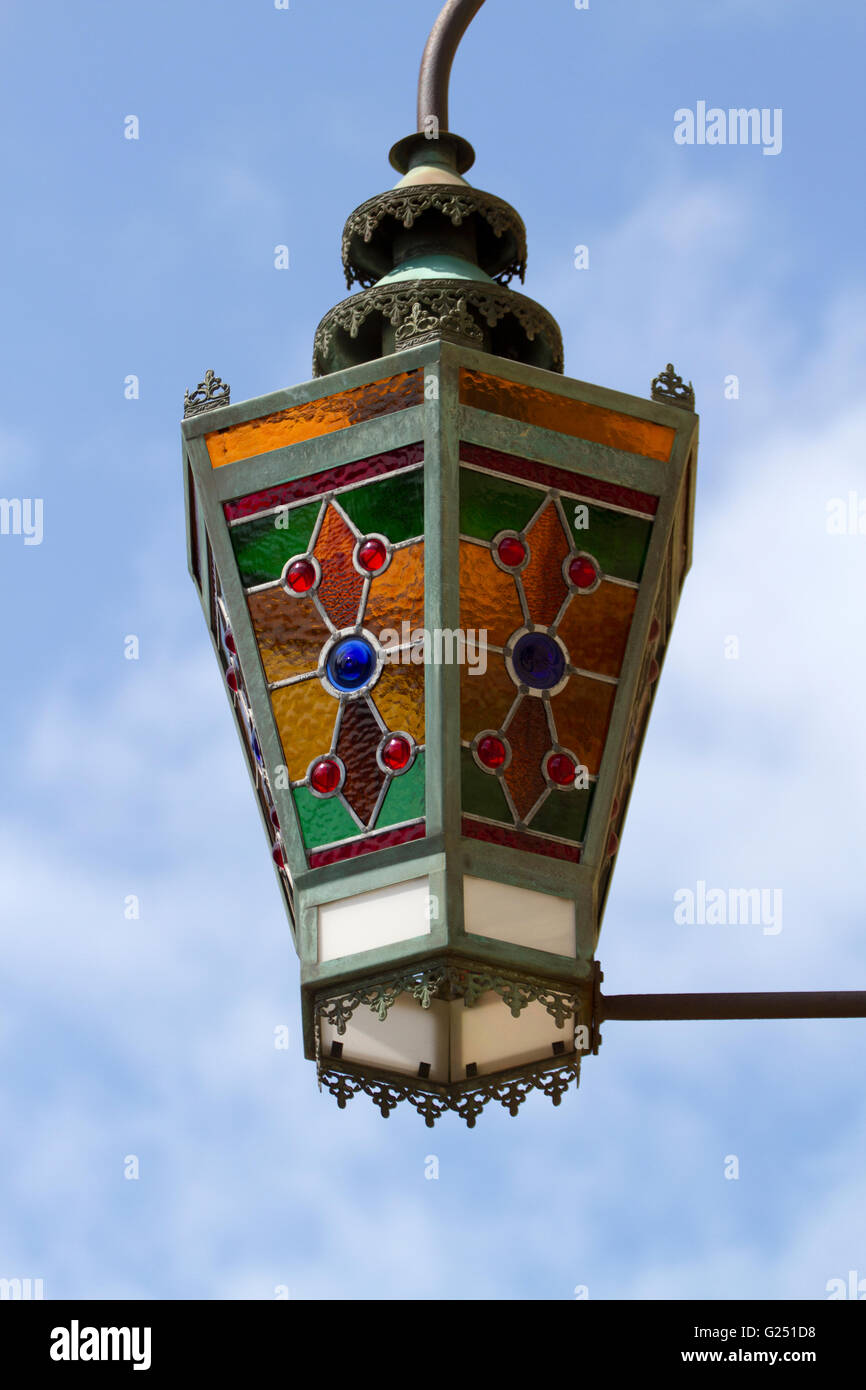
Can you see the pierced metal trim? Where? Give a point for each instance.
(669, 388)
(407, 204)
(444, 980)
(209, 394)
(446, 301)
(421, 326)
(466, 1099)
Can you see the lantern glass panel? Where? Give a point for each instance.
(314, 418)
(262, 548)
(378, 918)
(488, 1038)
(555, 412)
(520, 915)
(446, 1041)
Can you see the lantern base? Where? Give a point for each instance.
(452, 1035)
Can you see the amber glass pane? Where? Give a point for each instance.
(289, 631)
(566, 416)
(359, 737)
(304, 715)
(485, 700)
(581, 713)
(530, 740)
(543, 583)
(488, 596)
(399, 698)
(340, 589)
(314, 418)
(398, 594)
(595, 627)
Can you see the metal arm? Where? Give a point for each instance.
(850, 1003)
(454, 19)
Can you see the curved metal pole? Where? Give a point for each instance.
(439, 50)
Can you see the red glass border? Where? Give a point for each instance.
(517, 839)
(560, 478)
(316, 483)
(402, 836)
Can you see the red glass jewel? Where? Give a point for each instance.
(233, 680)
(511, 551)
(279, 857)
(275, 820)
(561, 769)
(396, 753)
(372, 554)
(582, 572)
(229, 641)
(325, 776)
(301, 576)
(612, 843)
(491, 751)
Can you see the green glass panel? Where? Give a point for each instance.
(489, 505)
(262, 548)
(323, 819)
(482, 793)
(564, 814)
(619, 542)
(391, 506)
(404, 799)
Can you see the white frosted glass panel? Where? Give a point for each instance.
(520, 915)
(408, 1036)
(379, 918)
(488, 1035)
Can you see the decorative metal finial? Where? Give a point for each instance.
(435, 255)
(670, 389)
(209, 394)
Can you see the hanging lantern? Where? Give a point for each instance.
(440, 579)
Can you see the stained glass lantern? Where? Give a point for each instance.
(440, 580)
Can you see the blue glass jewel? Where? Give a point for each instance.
(538, 660)
(351, 664)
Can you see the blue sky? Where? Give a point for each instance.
(154, 1037)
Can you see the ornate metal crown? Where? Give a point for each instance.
(209, 394)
